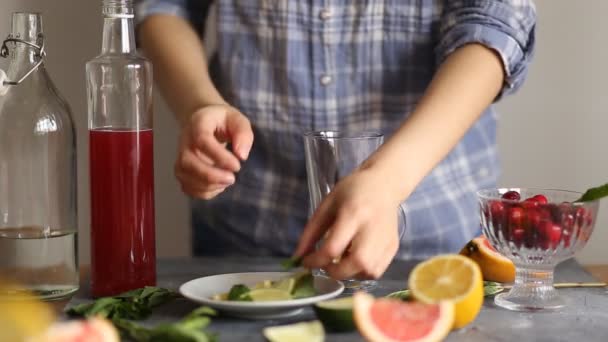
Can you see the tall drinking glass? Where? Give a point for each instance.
(330, 156)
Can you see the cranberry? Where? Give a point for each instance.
(566, 236)
(497, 212)
(537, 216)
(516, 216)
(551, 234)
(517, 235)
(580, 215)
(541, 199)
(530, 203)
(511, 195)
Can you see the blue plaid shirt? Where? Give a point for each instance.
(295, 66)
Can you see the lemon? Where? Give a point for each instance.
(337, 314)
(450, 277)
(494, 266)
(22, 316)
(267, 295)
(299, 332)
(286, 284)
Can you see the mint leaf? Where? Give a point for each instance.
(491, 288)
(304, 286)
(404, 295)
(290, 263)
(189, 329)
(135, 304)
(594, 194)
(239, 292)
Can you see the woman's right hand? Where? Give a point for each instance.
(204, 166)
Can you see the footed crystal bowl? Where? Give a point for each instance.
(536, 229)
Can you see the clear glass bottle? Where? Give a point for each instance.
(119, 88)
(38, 220)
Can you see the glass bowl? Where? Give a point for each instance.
(537, 231)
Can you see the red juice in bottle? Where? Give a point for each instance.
(122, 210)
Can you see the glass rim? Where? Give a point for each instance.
(343, 135)
(484, 193)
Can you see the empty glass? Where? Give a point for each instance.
(330, 156)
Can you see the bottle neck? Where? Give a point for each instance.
(23, 57)
(118, 35)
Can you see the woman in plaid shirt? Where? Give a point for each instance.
(424, 73)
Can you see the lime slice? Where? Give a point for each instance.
(299, 332)
(337, 314)
(267, 295)
(286, 284)
(266, 284)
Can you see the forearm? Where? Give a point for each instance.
(180, 65)
(463, 87)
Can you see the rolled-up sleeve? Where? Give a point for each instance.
(505, 26)
(194, 11)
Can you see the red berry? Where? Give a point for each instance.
(580, 216)
(517, 235)
(529, 204)
(541, 199)
(516, 216)
(511, 195)
(537, 216)
(551, 234)
(566, 236)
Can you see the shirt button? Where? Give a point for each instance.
(325, 14)
(325, 80)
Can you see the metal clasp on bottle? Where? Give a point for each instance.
(4, 52)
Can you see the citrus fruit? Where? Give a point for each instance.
(22, 316)
(298, 332)
(267, 295)
(494, 266)
(450, 277)
(392, 320)
(91, 330)
(286, 284)
(337, 314)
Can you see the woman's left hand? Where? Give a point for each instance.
(357, 222)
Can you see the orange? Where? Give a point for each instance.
(494, 266)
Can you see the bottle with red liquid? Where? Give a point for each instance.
(119, 88)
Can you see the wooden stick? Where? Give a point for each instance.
(570, 285)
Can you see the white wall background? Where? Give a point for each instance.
(552, 133)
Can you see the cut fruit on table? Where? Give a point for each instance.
(267, 295)
(91, 330)
(298, 332)
(392, 320)
(336, 314)
(449, 277)
(494, 266)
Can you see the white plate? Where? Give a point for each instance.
(202, 289)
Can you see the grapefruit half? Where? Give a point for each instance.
(392, 320)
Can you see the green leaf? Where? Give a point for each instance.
(239, 292)
(404, 295)
(594, 194)
(189, 329)
(291, 263)
(304, 286)
(491, 288)
(135, 304)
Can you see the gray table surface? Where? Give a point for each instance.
(585, 318)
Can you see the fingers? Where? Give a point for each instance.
(315, 228)
(241, 135)
(336, 242)
(200, 179)
(209, 145)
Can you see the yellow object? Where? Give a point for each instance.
(266, 295)
(494, 266)
(450, 277)
(298, 332)
(22, 316)
(286, 284)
